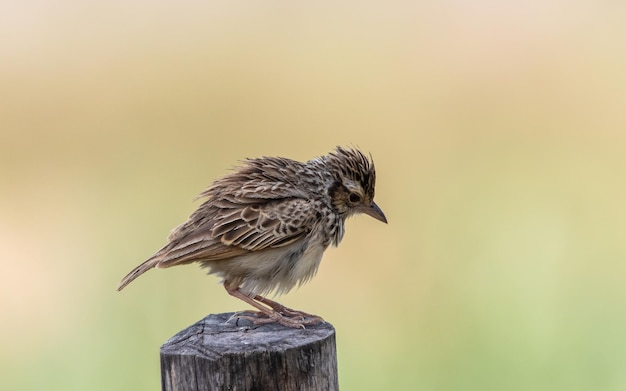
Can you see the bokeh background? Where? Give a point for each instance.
(499, 135)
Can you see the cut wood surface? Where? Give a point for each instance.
(221, 354)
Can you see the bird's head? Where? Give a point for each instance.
(354, 179)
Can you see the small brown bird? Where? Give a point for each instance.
(265, 226)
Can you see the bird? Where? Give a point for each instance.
(264, 227)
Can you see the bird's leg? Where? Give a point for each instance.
(272, 315)
(288, 311)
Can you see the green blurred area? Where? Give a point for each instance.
(499, 135)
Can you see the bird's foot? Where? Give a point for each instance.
(288, 312)
(294, 320)
(276, 313)
(295, 314)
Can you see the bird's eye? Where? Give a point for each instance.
(354, 198)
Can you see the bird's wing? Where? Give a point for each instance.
(228, 232)
(273, 224)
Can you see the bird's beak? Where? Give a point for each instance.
(374, 211)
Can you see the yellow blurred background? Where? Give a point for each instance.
(499, 135)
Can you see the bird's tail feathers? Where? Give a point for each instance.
(139, 270)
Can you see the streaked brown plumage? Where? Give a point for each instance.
(265, 226)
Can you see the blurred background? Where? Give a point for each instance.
(499, 135)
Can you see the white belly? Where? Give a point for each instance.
(278, 269)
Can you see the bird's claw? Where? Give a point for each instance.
(293, 319)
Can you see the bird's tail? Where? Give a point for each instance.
(139, 270)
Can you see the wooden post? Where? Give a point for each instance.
(214, 354)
